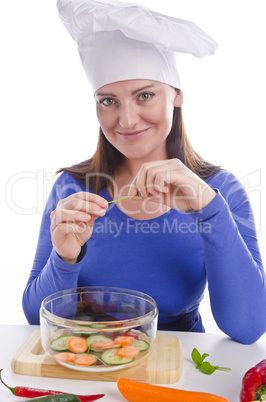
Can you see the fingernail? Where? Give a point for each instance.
(99, 212)
(162, 189)
(131, 192)
(158, 187)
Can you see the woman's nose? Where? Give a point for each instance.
(128, 116)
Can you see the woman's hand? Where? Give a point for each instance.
(72, 223)
(170, 182)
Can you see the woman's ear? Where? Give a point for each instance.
(178, 98)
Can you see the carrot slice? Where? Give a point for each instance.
(124, 340)
(99, 346)
(142, 392)
(65, 357)
(85, 360)
(127, 351)
(77, 344)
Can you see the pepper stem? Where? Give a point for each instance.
(260, 394)
(12, 389)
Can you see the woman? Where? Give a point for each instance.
(184, 221)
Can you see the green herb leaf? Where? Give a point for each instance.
(204, 367)
(207, 368)
(196, 356)
(204, 356)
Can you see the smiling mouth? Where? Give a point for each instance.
(133, 133)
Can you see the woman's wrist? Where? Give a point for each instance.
(202, 200)
(68, 260)
(208, 197)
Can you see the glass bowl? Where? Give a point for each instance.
(98, 329)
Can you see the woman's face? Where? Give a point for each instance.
(136, 116)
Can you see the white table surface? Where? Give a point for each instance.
(223, 351)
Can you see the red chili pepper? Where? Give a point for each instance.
(254, 383)
(34, 392)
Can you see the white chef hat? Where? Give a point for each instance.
(121, 41)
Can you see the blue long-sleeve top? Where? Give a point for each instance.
(171, 258)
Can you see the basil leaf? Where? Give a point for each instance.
(196, 357)
(204, 356)
(207, 368)
(204, 367)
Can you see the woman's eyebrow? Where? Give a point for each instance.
(132, 93)
(142, 89)
(105, 94)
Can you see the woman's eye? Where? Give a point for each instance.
(107, 101)
(146, 96)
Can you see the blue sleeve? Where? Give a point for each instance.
(236, 278)
(49, 273)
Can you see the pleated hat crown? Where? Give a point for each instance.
(121, 41)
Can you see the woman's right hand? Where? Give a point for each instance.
(72, 223)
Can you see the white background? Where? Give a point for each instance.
(48, 119)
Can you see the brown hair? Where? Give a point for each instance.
(95, 172)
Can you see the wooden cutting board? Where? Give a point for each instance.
(164, 365)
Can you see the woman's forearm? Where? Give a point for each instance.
(236, 279)
(56, 275)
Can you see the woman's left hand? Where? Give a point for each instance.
(170, 182)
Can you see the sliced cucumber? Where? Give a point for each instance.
(110, 357)
(84, 333)
(98, 326)
(81, 354)
(141, 345)
(60, 344)
(96, 338)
